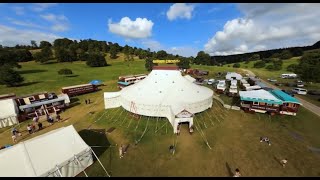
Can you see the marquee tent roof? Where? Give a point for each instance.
(166, 87)
(8, 108)
(39, 156)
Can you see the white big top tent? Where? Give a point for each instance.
(163, 93)
(8, 113)
(58, 153)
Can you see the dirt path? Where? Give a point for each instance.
(311, 107)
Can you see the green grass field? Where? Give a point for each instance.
(232, 135)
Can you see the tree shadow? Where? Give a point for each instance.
(69, 76)
(32, 71)
(50, 62)
(96, 139)
(28, 83)
(229, 170)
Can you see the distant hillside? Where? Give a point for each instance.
(295, 51)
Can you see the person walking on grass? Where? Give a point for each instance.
(29, 128)
(86, 101)
(237, 174)
(121, 151)
(284, 162)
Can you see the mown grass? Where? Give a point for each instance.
(232, 135)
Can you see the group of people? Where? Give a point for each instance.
(51, 120)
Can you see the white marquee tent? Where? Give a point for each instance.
(232, 75)
(163, 93)
(61, 152)
(8, 113)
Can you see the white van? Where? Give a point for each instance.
(300, 91)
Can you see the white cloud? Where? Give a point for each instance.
(180, 50)
(54, 18)
(140, 28)
(152, 44)
(25, 23)
(19, 10)
(38, 7)
(60, 22)
(10, 36)
(267, 26)
(185, 51)
(180, 10)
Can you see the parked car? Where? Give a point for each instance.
(300, 91)
(210, 81)
(290, 92)
(314, 92)
(299, 83)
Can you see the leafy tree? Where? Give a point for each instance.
(270, 67)
(292, 67)
(254, 57)
(259, 64)
(149, 64)
(8, 58)
(236, 65)
(10, 77)
(65, 71)
(45, 44)
(39, 57)
(277, 65)
(286, 54)
(184, 63)
(161, 54)
(202, 58)
(96, 60)
(113, 52)
(22, 55)
(309, 66)
(34, 44)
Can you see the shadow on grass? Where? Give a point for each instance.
(74, 104)
(229, 170)
(70, 76)
(29, 83)
(73, 100)
(32, 71)
(96, 139)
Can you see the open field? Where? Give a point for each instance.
(232, 135)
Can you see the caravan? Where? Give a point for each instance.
(288, 76)
(233, 90)
(221, 86)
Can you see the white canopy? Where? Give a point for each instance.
(233, 75)
(44, 154)
(8, 112)
(163, 93)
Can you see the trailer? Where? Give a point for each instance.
(79, 89)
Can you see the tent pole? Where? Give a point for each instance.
(100, 162)
(80, 164)
(59, 171)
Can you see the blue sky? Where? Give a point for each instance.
(181, 28)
